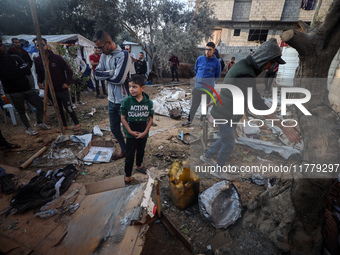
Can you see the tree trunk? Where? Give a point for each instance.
(297, 213)
(309, 188)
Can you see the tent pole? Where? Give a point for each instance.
(45, 63)
(45, 101)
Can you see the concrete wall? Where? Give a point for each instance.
(266, 10)
(228, 38)
(223, 9)
(241, 10)
(273, 10)
(291, 10)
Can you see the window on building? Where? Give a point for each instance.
(257, 35)
(308, 4)
(237, 32)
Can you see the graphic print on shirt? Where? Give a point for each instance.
(138, 111)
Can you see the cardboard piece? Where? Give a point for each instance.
(105, 185)
(99, 154)
(97, 151)
(101, 225)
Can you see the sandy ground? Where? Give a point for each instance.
(161, 151)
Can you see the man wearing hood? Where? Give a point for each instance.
(113, 66)
(243, 75)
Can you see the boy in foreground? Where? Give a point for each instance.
(137, 117)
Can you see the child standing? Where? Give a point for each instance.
(137, 117)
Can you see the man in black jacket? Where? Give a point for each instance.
(19, 51)
(13, 71)
(140, 65)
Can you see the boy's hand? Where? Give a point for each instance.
(141, 135)
(134, 133)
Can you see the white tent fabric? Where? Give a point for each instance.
(80, 40)
(74, 38)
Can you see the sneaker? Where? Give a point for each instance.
(74, 106)
(186, 124)
(209, 161)
(42, 126)
(31, 131)
(81, 103)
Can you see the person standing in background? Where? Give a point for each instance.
(174, 64)
(140, 65)
(94, 60)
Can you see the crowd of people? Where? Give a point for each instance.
(121, 78)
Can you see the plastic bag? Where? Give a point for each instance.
(220, 204)
(97, 131)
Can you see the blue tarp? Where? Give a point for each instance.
(30, 48)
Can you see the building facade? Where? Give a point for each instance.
(244, 24)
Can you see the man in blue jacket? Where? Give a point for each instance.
(208, 70)
(113, 66)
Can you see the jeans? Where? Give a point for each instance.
(103, 87)
(196, 100)
(114, 116)
(32, 97)
(63, 100)
(224, 146)
(174, 69)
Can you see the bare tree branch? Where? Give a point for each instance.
(135, 36)
(302, 42)
(305, 27)
(316, 13)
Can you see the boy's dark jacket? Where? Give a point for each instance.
(137, 113)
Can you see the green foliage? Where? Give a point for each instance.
(55, 17)
(162, 27)
(78, 80)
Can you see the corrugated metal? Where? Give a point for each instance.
(286, 73)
